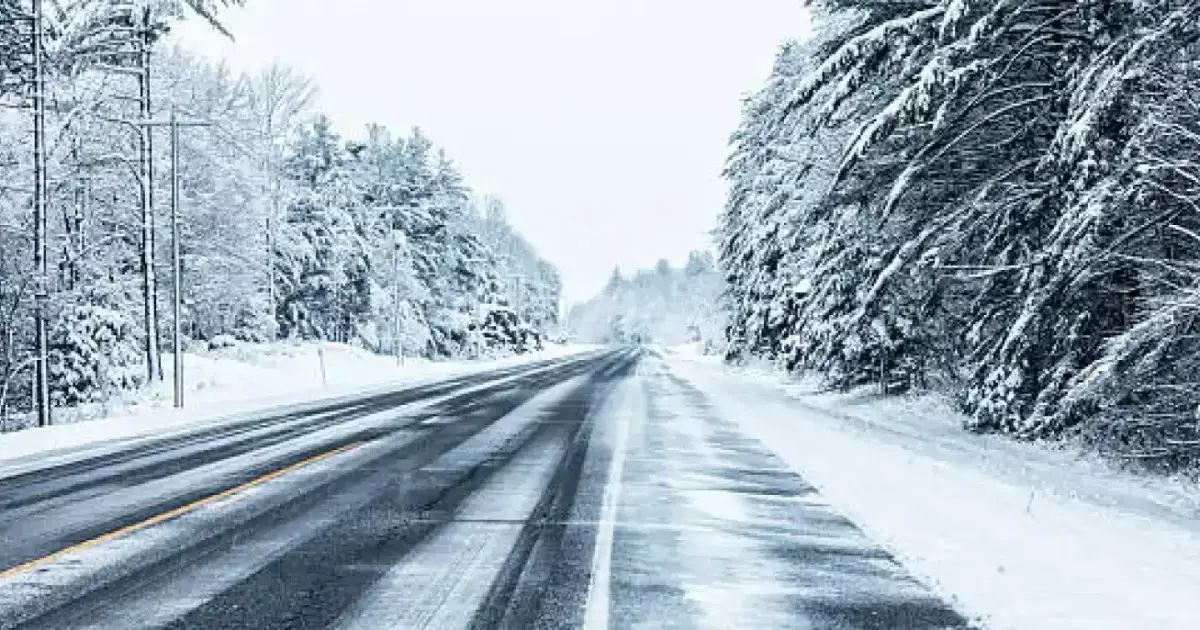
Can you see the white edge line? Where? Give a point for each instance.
(598, 599)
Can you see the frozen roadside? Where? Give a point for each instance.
(1018, 535)
(246, 380)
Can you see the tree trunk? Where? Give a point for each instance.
(149, 284)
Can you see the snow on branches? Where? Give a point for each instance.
(1013, 196)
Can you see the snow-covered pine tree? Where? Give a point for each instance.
(320, 251)
(997, 180)
(95, 347)
(529, 284)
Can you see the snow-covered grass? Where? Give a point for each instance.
(1018, 535)
(244, 379)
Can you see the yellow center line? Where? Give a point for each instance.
(21, 568)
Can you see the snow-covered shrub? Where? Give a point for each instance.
(221, 342)
(501, 332)
(95, 351)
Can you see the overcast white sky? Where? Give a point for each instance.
(602, 124)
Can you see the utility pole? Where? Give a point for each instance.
(139, 68)
(149, 282)
(147, 108)
(40, 249)
(175, 123)
(272, 214)
(177, 293)
(397, 346)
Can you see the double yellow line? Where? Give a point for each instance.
(21, 568)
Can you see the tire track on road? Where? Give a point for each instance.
(313, 584)
(544, 583)
(36, 528)
(41, 475)
(480, 411)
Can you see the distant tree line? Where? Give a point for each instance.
(663, 305)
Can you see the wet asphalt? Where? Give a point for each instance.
(468, 512)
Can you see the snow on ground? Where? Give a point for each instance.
(691, 351)
(243, 379)
(1018, 535)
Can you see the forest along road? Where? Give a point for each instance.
(593, 491)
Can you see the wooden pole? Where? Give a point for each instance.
(40, 255)
(176, 272)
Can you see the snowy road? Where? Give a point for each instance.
(595, 491)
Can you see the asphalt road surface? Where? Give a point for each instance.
(595, 491)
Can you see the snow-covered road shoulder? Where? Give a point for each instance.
(1016, 535)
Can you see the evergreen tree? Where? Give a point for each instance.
(977, 188)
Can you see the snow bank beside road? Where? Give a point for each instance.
(1017, 535)
(245, 379)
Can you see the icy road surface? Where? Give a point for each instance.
(593, 491)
